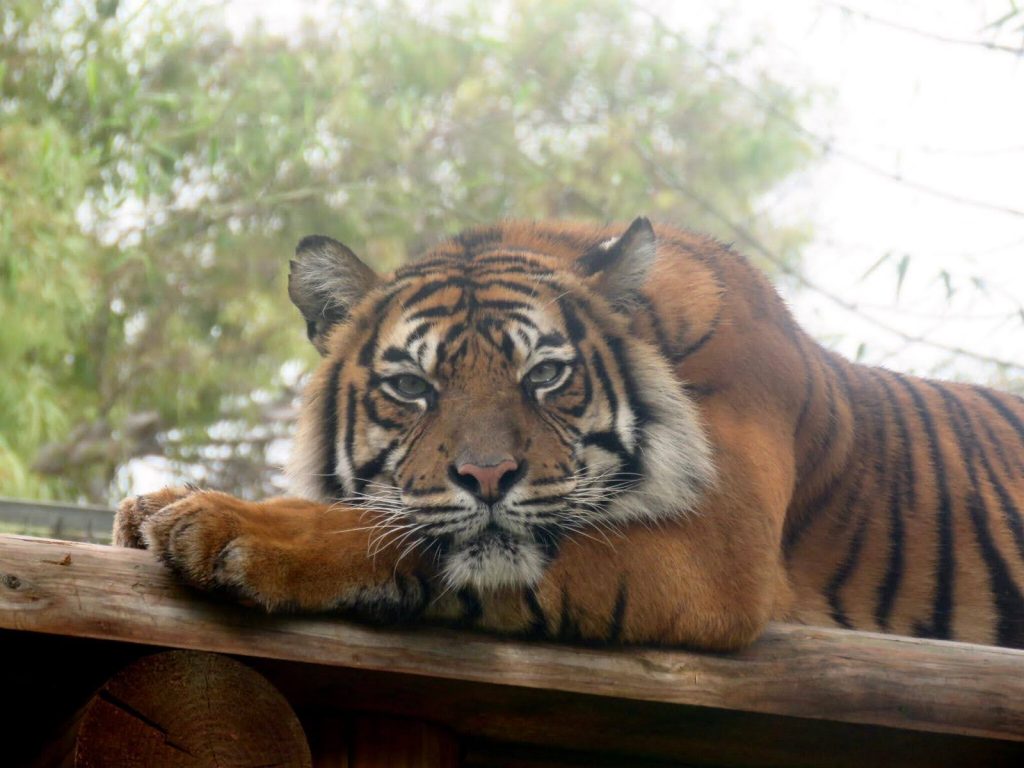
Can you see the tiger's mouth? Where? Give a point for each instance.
(493, 558)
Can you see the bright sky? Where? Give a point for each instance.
(944, 116)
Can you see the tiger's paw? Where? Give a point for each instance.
(133, 511)
(201, 537)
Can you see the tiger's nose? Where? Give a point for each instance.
(488, 483)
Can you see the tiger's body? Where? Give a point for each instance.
(576, 433)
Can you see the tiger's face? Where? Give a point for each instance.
(488, 402)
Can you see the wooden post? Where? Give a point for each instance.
(382, 742)
(375, 741)
(184, 708)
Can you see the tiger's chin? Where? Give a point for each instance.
(494, 560)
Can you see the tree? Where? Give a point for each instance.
(157, 170)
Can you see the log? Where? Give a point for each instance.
(184, 709)
(84, 590)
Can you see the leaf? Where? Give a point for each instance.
(881, 260)
(947, 281)
(901, 273)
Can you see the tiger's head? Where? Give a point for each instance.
(489, 399)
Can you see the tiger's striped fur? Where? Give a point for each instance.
(691, 465)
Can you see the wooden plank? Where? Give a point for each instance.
(94, 591)
(497, 724)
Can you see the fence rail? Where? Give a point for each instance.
(57, 521)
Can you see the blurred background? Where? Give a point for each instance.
(160, 159)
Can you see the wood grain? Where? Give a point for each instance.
(184, 709)
(85, 590)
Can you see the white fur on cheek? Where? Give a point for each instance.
(675, 453)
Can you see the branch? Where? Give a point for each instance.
(922, 33)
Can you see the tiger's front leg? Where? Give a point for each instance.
(280, 553)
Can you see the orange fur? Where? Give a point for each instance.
(840, 494)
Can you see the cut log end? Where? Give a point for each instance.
(184, 708)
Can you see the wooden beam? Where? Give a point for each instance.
(86, 590)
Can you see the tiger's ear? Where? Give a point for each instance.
(325, 281)
(620, 267)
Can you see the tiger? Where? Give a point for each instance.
(612, 435)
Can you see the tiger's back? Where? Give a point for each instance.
(914, 524)
(906, 510)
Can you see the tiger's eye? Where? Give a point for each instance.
(409, 386)
(544, 373)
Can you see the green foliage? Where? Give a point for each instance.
(156, 170)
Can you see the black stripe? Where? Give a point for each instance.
(526, 290)
(541, 499)
(1000, 449)
(366, 472)
(534, 272)
(568, 627)
(695, 347)
(942, 609)
(641, 413)
(843, 573)
(660, 335)
(827, 445)
(438, 311)
(519, 317)
(609, 442)
(597, 363)
(427, 290)
(507, 347)
(801, 524)
(538, 621)
(1004, 411)
(370, 406)
(618, 612)
(418, 333)
(1011, 513)
(553, 339)
(370, 346)
(472, 609)
(573, 325)
(396, 355)
(521, 263)
(900, 488)
(1008, 600)
(329, 478)
(808, 389)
